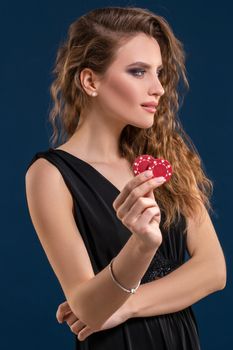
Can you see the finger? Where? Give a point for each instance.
(136, 181)
(143, 223)
(135, 194)
(63, 309)
(70, 319)
(150, 194)
(61, 315)
(77, 326)
(148, 216)
(84, 333)
(137, 208)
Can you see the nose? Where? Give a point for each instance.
(157, 88)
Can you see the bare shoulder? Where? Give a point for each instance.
(50, 208)
(44, 173)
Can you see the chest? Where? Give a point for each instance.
(118, 174)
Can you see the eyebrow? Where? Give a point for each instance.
(143, 64)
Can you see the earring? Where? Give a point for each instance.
(94, 93)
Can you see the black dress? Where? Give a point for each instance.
(104, 236)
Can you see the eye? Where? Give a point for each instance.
(136, 70)
(159, 72)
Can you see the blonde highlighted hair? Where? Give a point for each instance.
(92, 42)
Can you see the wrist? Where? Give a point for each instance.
(130, 307)
(143, 247)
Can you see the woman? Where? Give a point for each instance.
(116, 241)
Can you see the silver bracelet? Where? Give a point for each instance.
(132, 290)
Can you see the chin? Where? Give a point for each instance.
(143, 124)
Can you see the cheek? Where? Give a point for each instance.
(123, 91)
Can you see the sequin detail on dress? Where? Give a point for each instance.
(159, 267)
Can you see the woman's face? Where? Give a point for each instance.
(127, 85)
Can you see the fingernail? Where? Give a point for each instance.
(148, 173)
(160, 179)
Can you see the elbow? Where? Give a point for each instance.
(223, 276)
(220, 280)
(89, 315)
(216, 275)
(80, 307)
(79, 310)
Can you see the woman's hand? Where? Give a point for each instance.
(136, 207)
(64, 313)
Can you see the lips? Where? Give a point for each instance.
(149, 108)
(149, 104)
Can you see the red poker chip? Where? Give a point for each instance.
(159, 166)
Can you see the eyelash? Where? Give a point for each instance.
(136, 70)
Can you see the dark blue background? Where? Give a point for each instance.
(30, 34)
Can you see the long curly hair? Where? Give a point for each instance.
(92, 42)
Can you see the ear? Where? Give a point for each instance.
(89, 81)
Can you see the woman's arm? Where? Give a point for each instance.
(203, 274)
(179, 289)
